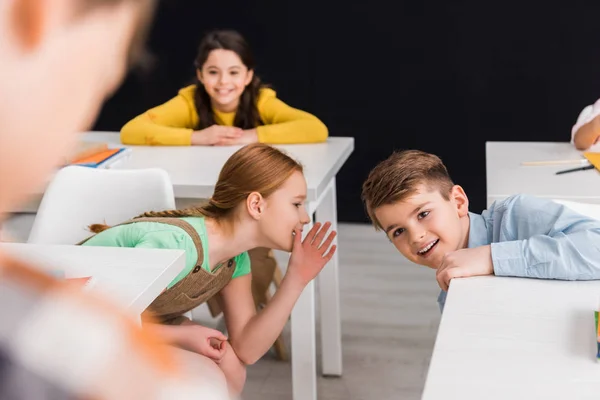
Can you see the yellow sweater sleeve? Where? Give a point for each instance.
(285, 125)
(170, 124)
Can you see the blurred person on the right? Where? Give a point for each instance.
(586, 131)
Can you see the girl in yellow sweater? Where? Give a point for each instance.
(228, 105)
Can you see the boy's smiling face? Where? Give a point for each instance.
(425, 226)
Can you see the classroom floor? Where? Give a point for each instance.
(389, 322)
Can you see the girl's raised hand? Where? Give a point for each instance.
(310, 255)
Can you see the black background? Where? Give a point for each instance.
(440, 76)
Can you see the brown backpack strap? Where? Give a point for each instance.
(189, 229)
(197, 287)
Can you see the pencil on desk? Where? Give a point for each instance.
(554, 162)
(566, 171)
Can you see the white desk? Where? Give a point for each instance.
(132, 278)
(194, 171)
(514, 338)
(506, 176)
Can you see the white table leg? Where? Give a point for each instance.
(304, 350)
(329, 293)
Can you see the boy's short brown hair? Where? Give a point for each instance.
(398, 177)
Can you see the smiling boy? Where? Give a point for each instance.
(426, 216)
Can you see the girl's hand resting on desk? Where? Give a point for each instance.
(464, 263)
(310, 255)
(215, 135)
(247, 137)
(206, 341)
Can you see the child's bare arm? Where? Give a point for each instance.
(192, 337)
(250, 334)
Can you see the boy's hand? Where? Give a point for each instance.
(463, 263)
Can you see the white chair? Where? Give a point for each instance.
(80, 196)
(587, 209)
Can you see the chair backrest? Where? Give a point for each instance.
(80, 196)
(587, 209)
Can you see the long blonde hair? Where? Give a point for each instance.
(253, 168)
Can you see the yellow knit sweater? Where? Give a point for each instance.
(173, 122)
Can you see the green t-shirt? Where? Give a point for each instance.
(156, 235)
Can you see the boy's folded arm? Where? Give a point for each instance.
(573, 256)
(539, 238)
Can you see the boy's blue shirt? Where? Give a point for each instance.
(537, 238)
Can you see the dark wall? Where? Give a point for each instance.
(436, 76)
